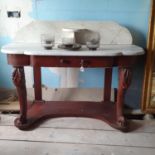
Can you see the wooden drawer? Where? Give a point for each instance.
(18, 59)
(54, 61)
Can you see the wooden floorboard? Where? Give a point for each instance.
(37, 148)
(70, 122)
(79, 136)
(76, 136)
(144, 126)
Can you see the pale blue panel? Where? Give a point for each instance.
(94, 78)
(74, 5)
(91, 78)
(129, 5)
(5, 69)
(50, 79)
(115, 77)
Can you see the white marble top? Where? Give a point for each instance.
(104, 50)
(110, 32)
(115, 39)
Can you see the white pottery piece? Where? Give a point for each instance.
(83, 36)
(68, 36)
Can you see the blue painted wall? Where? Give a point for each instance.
(5, 69)
(131, 13)
(50, 79)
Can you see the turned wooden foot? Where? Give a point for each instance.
(124, 82)
(18, 78)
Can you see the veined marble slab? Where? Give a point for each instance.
(115, 39)
(110, 32)
(104, 50)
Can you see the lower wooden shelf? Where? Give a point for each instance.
(39, 111)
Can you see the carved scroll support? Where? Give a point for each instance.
(125, 75)
(18, 78)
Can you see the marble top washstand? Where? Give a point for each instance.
(116, 49)
(114, 39)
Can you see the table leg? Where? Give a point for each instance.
(124, 82)
(107, 84)
(37, 83)
(18, 78)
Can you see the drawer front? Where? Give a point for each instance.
(125, 61)
(71, 61)
(18, 59)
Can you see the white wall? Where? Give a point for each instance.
(9, 26)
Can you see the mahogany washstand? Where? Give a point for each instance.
(37, 110)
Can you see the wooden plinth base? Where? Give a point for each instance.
(39, 111)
